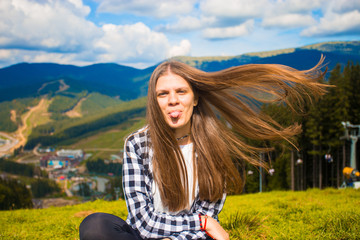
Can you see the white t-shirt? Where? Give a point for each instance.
(187, 151)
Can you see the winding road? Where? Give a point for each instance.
(19, 138)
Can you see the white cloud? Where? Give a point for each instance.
(182, 50)
(158, 9)
(229, 32)
(281, 14)
(343, 6)
(245, 9)
(12, 56)
(5, 54)
(62, 30)
(288, 21)
(275, 14)
(234, 8)
(339, 17)
(295, 6)
(49, 57)
(335, 24)
(57, 31)
(127, 43)
(188, 23)
(46, 25)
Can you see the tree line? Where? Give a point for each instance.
(72, 133)
(19, 106)
(26, 182)
(27, 170)
(99, 166)
(14, 195)
(64, 102)
(324, 130)
(322, 151)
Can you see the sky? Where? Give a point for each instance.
(142, 33)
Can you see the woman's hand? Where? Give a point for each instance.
(214, 228)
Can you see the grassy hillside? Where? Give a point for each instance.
(108, 141)
(314, 214)
(67, 131)
(94, 122)
(11, 111)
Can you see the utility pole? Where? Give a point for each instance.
(353, 137)
(292, 171)
(260, 174)
(352, 133)
(314, 167)
(320, 169)
(117, 191)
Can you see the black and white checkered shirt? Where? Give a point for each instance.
(137, 183)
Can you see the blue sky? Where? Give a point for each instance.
(141, 33)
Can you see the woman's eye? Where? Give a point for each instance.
(161, 94)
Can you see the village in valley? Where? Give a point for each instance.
(66, 167)
(58, 175)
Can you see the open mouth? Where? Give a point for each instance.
(175, 116)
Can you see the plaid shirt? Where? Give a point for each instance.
(137, 183)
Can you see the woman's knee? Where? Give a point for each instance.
(94, 225)
(93, 219)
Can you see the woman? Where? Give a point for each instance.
(178, 169)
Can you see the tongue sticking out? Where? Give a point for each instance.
(175, 114)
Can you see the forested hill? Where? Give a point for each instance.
(29, 79)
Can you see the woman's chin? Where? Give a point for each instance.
(175, 124)
(178, 123)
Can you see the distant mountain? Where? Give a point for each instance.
(84, 102)
(299, 58)
(25, 79)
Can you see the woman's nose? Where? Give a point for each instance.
(173, 98)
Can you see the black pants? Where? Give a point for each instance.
(104, 226)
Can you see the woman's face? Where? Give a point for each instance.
(176, 100)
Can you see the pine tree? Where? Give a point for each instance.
(353, 75)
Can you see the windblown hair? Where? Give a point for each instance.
(227, 112)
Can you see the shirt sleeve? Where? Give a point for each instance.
(141, 213)
(189, 235)
(211, 209)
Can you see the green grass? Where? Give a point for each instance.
(313, 214)
(101, 144)
(96, 101)
(63, 103)
(61, 125)
(100, 121)
(112, 138)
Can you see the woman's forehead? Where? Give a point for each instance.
(171, 81)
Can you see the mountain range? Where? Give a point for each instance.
(92, 106)
(127, 83)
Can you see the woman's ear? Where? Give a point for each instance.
(196, 100)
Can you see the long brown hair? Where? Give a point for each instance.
(226, 113)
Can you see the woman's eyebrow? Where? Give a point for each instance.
(162, 90)
(182, 88)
